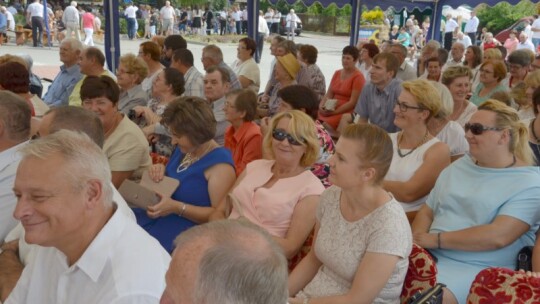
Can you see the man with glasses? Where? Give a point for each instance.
(378, 98)
(519, 62)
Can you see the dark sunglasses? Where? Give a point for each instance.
(280, 135)
(478, 129)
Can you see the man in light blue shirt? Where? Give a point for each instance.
(70, 73)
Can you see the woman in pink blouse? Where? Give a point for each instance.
(280, 194)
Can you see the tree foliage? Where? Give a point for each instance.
(503, 15)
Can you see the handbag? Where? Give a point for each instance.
(434, 295)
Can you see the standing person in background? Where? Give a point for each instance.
(268, 17)
(71, 20)
(222, 22)
(472, 26)
(208, 17)
(166, 16)
(131, 18)
(262, 33)
(88, 26)
(197, 22)
(449, 28)
(276, 21)
(34, 13)
(244, 20)
(535, 32)
(145, 14)
(292, 19)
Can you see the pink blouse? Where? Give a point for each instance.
(272, 208)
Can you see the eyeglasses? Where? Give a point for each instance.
(478, 129)
(280, 135)
(403, 107)
(515, 66)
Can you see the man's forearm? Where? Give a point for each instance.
(10, 272)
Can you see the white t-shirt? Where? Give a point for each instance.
(250, 70)
(167, 12)
(131, 11)
(451, 25)
(123, 264)
(536, 25)
(35, 10)
(454, 136)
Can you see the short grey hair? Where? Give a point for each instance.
(77, 119)
(74, 44)
(15, 116)
(83, 159)
(213, 52)
(243, 265)
(74, 3)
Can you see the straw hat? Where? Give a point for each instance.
(290, 63)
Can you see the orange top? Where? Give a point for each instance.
(244, 143)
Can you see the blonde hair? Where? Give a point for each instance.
(533, 79)
(135, 65)
(376, 148)
(519, 94)
(425, 94)
(453, 72)
(492, 54)
(302, 129)
(507, 118)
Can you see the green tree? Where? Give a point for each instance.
(503, 15)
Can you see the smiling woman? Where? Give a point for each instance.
(245, 66)
(280, 194)
(125, 144)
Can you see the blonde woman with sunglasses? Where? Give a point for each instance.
(280, 194)
(484, 207)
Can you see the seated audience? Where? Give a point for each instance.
(150, 52)
(489, 42)
(492, 54)
(73, 175)
(419, 157)
(70, 73)
(170, 44)
(285, 72)
(243, 137)
(448, 131)
(511, 43)
(14, 78)
(345, 87)
(125, 145)
(245, 66)
(469, 227)
(307, 56)
(211, 56)
(369, 259)
(216, 85)
(91, 63)
(492, 73)
(367, 52)
(131, 72)
(212, 261)
(405, 71)
(205, 171)
(299, 97)
(434, 69)
(534, 133)
(526, 109)
(194, 81)
(473, 60)
(519, 63)
(167, 86)
(458, 81)
(15, 119)
(278, 193)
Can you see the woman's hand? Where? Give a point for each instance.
(139, 110)
(325, 113)
(426, 240)
(295, 301)
(165, 207)
(265, 125)
(156, 172)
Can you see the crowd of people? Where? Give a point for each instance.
(444, 154)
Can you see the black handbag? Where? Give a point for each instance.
(524, 258)
(434, 295)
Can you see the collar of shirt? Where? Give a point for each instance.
(10, 155)
(134, 91)
(389, 87)
(95, 257)
(70, 70)
(217, 108)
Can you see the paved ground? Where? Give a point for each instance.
(46, 60)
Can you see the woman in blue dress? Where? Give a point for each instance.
(205, 171)
(484, 207)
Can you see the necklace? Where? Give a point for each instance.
(514, 160)
(412, 150)
(190, 158)
(531, 126)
